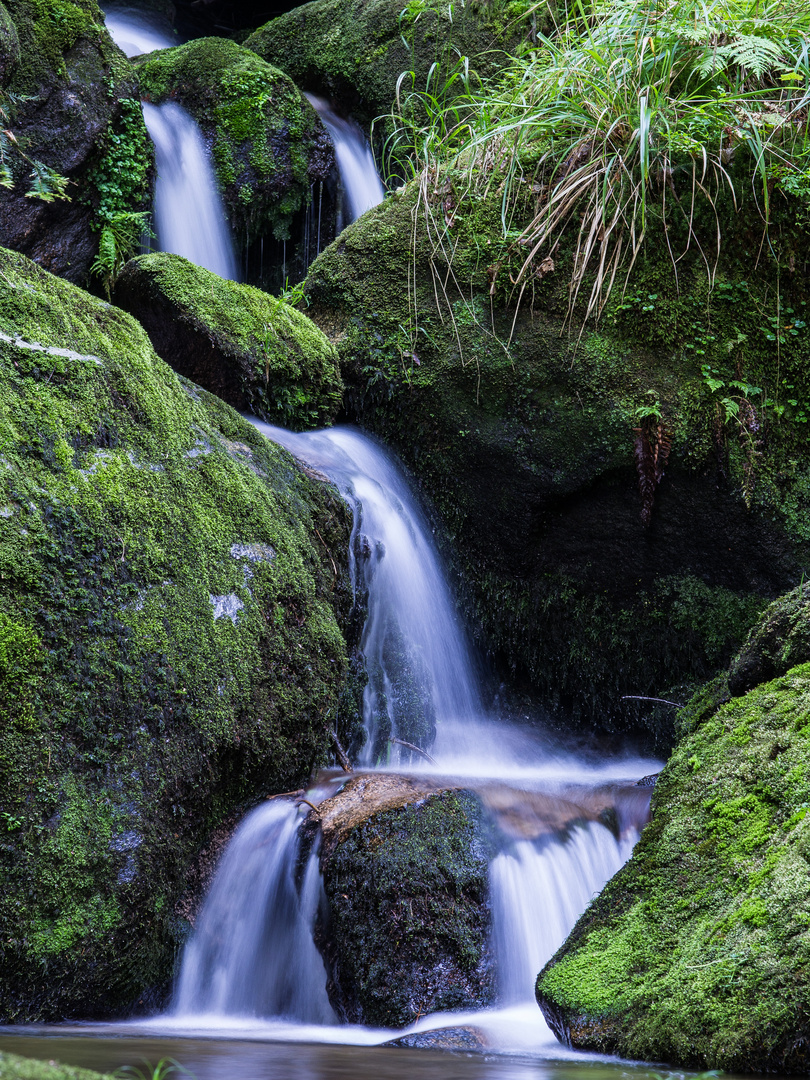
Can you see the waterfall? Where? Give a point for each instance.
(358, 173)
(189, 215)
(252, 952)
(188, 210)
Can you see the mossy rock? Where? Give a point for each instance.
(78, 114)
(269, 146)
(10, 52)
(696, 953)
(780, 641)
(256, 352)
(521, 433)
(14, 1067)
(172, 591)
(356, 50)
(405, 868)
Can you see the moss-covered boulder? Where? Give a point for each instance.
(10, 52)
(697, 952)
(780, 641)
(356, 50)
(77, 113)
(523, 435)
(170, 642)
(269, 146)
(256, 352)
(14, 1067)
(405, 869)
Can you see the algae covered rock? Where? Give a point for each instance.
(14, 1067)
(76, 113)
(521, 434)
(256, 352)
(356, 50)
(405, 869)
(269, 146)
(697, 951)
(170, 642)
(780, 641)
(10, 52)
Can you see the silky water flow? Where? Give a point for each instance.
(252, 954)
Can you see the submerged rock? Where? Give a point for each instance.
(269, 146)
(254, 351)
(697, 951)
(132, 720)
(77, 113)
(521, 434)
(455, 1039)
(405, 869)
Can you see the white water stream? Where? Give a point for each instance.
(251, 960)
(358, 173)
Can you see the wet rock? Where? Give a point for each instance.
(256, 352)
(133, 720)
(405, 869)
(268, 145)
(454, 1039)
(696, 952)
(780, 641)
(79, 115)
(10, 52)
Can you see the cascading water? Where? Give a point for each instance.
(252, 953)
(189, 215)
(188, 209)
(358, 173)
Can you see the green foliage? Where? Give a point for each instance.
(44, 183)
(120, 238)
(165, 1068)
(13, 1067)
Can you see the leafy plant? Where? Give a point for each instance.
(164, 1068)
(44, 183)
(119, 240)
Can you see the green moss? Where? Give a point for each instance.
(409, 918)
(282, 367)
(266, 138)
(47, 30)
(521, 433)
(134, 507)
(695, 952)
(13, 1067)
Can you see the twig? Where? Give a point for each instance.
(343, 757)
(416, 749)
(660, 700)
(285, 795)
(314, 807)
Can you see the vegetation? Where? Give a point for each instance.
(13, 1067)
(170, 643)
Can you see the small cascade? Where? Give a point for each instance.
(420, 667)
(252, 952)
(136, 34)
(189, 215)
(358, 173)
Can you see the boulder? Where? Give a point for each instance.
(14, 1067)
(696, 953)
(405, 870)
(355, 51)
(78, 114)
(780, 641)
(254, 351)
(172, 592)
(269, 147)
(520, 423)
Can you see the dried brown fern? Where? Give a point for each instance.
(651, 448)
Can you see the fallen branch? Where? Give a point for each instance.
(285, 795)
(312, 805)
(343, 757)
(416, 749)
(660, 700)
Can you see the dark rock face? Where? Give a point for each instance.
(779, 642)
(521, 436)
(10, 52)
(73, 80)
(170, 644)
(256, 352)
(405, 871)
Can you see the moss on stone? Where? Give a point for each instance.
(268, 144)
(355, 50)
(780, 641)
(521, 435)
(14, 1067)
(253, 350)
(170, 642)
(409, 921)
(696, 952)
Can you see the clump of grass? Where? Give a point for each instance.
(631, 110)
